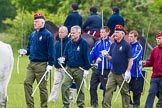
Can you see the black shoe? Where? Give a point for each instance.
(136, 106)
(94, 105)
(158, 105)
(66, 106)
(80, 106)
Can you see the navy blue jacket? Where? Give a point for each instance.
(77, 54)
(96, 53)
(120, 52)
(72, 19)
(41, 46)
(58, 50)
(114, 19)
(137, 52)
(94, 22)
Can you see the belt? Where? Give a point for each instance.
(73, 67)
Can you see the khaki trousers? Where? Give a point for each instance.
(35, 71)
(115, 80)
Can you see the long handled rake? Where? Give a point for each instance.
(144, 55)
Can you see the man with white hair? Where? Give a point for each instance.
(121, 58)
(59, 72)
(41, 51)
(77, 55)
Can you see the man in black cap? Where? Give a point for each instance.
(120, 55)
(41, 52)
(114, 19)
(93, 23)
(73, 18)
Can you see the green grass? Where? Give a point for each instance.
(17, 98)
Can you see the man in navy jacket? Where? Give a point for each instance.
(114, 19)
(77, 55)
(74, 18)
(93, 23)
(120, 55)
(41, 51)
(59, 72)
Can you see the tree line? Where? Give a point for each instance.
(16, 18)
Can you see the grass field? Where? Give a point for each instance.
(17, 98)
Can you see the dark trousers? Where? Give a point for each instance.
(155, 84)
(97, 78)
(136, 86)
(159, 95)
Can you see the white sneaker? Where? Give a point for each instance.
(71, 98)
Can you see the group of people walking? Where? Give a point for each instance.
(118, 61)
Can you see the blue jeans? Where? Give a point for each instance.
(155, 83)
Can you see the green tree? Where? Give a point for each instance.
(35, 5)
(7, 10)
(142, 15)
(19, 29)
